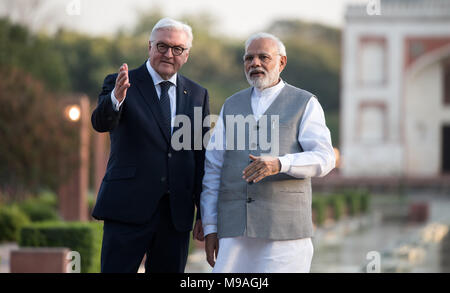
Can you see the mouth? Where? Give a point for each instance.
(257, 73)
(166, 62)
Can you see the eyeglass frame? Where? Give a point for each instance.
(171, 47)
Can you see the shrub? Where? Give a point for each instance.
(365, 201)
(85, 238)
(48, 198)
(38, 212)
(319, 206)
(353, 200)
(337, 202)
(12, 219)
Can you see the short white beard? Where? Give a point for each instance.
(263, 82)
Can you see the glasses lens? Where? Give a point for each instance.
(177, 51)
(162, 48)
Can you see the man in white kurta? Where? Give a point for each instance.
(257, 255)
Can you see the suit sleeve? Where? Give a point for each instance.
(200, 158)
(105, 118)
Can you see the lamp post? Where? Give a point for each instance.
(73, 204)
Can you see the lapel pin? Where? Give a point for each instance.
(185, 92)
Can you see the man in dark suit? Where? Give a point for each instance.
(150, 190)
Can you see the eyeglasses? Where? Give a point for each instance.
(176, 50)
(264, 58)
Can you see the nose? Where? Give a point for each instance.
(168, 54)
(255, 62)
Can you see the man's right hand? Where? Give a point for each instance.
(211, 248)
(122, 83)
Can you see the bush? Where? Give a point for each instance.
(319, 206)
(41, 208)
(85, 238)
(365, 201)
(353, 200)
(337, 202)
(38, 211)
(12, 219)
(48, 198)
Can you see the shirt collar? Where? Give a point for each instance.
(269, 91)
(157, 79)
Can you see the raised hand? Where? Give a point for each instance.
(122, 83)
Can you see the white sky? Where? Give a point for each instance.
(237, 18)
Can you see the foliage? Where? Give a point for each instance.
(35, 138)
(319, 205)
(338, 204)
(12, 219)
(40, 208)
(82, 237)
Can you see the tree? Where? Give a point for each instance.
(35, 138)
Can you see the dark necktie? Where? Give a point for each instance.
(164, 102)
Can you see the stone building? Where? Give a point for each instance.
(395, 98)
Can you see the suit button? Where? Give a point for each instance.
(249, 200)
(163, 179)
(169, 155)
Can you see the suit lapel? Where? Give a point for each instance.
(182, 94)
(148, 94)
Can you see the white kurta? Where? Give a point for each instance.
(254, 255)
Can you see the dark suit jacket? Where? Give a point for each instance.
(142, 164)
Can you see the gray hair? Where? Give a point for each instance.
(171, 24)
(257, 36)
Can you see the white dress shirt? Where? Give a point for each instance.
(252, 255)
(317, 158)
(157, 79)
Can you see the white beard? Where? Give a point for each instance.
(266, 81)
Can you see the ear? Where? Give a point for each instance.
(149, 46)
(283, 61)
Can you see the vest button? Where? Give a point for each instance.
(169, 155)
(249, 200)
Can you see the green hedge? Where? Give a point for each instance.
(86, 238)
(356, 201)
(337, 203)
(12, 219)
(319, 206)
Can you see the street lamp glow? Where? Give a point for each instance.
(74, 113)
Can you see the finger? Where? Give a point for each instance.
(122, 89)
(255, 175)
(259, 178)
(253, 172)
(119, 75)
(210, 259)
(123, 79)
(251, 168)
(254, 158)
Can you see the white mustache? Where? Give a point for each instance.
(257, 70)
